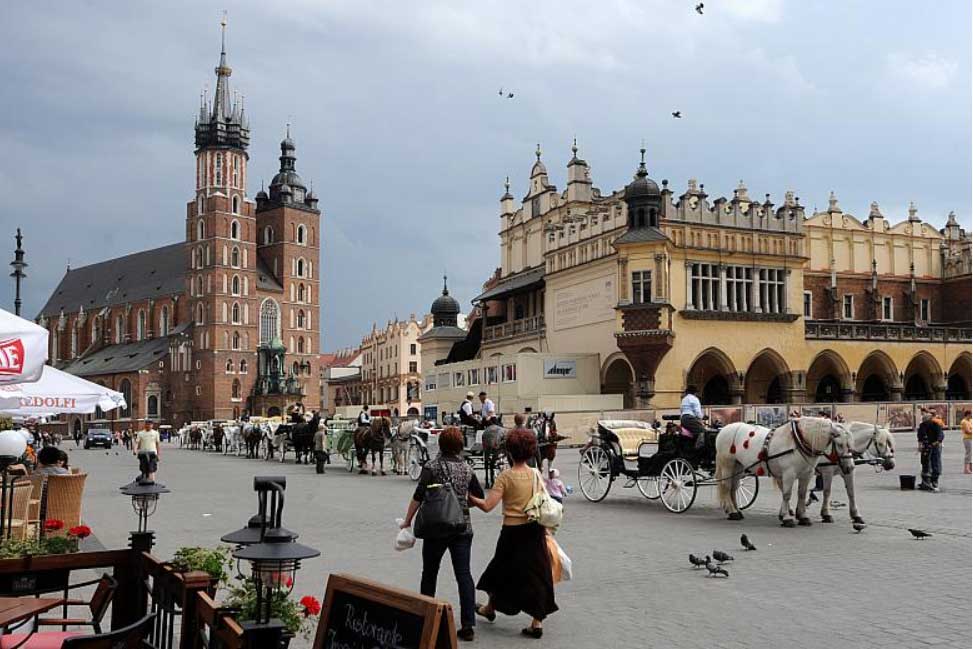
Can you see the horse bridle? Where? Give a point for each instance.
(805, 448)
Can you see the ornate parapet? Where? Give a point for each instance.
(886, 332)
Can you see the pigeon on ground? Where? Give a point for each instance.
(745, 542)
(919, 534)
(697, 561)
(716, 570)
(721, 557)
(677, 114)
(859, 527)
(699, 8)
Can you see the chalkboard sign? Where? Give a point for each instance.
(362, 614)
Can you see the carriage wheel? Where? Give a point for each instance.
(747, 489)
(415, 461)
(677, 485)
(595, 474)
(648, 486)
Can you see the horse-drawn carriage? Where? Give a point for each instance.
(662, 465)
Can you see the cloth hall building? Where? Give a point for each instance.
(219, 324)
(618, 300)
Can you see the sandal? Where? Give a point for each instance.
(533, 632)
(491, 617)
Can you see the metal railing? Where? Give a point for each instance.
(531, 325)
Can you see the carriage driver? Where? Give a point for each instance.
(691, 413)
(465, 412)
(364, 419)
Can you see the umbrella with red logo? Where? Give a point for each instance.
(23, 349)
(57, 392)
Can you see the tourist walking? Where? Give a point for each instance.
(449, 468)
(77, 437)
(147, 449)
(519, 578)
(966, 427)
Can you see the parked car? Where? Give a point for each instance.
(98, 437)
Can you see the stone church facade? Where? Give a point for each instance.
(220, 324)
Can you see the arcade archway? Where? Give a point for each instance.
(826, 378)
(958, 378)
(876, 377)
(713, 375)
(767, 379)
(619, 378)
(922, 378)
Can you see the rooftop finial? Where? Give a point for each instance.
(913, 211)
(287, 130)
(506, 184)
(223, 33)
(445, 290)
(574, 147)
(538, 152)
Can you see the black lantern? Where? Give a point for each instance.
(145, 499)
(272, 552)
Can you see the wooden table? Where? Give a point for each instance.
(19, 609)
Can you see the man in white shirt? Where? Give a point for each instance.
(691, 413)
(146, 447)
(364, 419)
(487, 410)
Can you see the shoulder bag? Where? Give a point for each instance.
(541, 508)
(440, 515)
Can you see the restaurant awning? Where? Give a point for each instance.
(519, 283)
(59, 393)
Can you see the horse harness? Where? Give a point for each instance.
(801, 445)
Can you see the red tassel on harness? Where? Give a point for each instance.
(762, 455)
(760, 470)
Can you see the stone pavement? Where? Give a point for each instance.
(633, 587)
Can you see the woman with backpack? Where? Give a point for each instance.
(452, 470)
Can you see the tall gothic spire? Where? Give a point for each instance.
(221, 99)
(226, 124)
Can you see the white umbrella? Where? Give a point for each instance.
(57, 392)
(23, 349)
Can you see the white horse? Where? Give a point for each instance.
(787, 453)
(232, 438)
(869, 441)
(400, 446)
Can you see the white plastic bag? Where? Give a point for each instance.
(405, 539)
(566, 573)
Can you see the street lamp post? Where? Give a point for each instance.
(19, 265)
(12, 447)
(274, 557)
(145, 499)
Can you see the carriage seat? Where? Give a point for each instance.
(631, 438)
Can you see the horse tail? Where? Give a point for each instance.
(725, 467)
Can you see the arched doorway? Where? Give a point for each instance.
(876, 376)
(958, 380)
(826, 377)
(273, 411)
(767, 379)
(618, 378)
(713, 375)
(413, 412)
(923, 377)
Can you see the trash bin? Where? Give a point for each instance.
(907, 482)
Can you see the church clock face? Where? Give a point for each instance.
(693, 203)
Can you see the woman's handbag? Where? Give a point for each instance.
(541, 508)
(440, 515)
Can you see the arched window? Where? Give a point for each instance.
(235, 394)
(234, 224)
(235, 206)
(300, 268)
(199, 285)
(296, 368)
(269, 321)
(268, 235)
(236, 340)
(300, 318)
(229, 365)
(200, 227)
(126, 389)
(200, 206)
(236, 172)
(119, 330)
(140, 326)
(300, 344)
(235, 285)
(300, 292)
(301, 236)
(219, 170)
(164, 321)
(153, 406)
(200, 313)
(235, 257)
(235, 313)
(243, 366)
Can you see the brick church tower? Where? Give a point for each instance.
(221, 259)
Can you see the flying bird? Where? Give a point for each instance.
(859, 527)
(697, 561)
(677, 114)
(745, 542)
(699, 8)
(716, 570)
(721, 556)
(501, 92)
(919, 534)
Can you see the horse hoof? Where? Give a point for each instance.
(827, 518)
(383, 473)
(804, 522)
(363, 472)
(373, 473)
(735, 516)
(787, 523)
(858, 519)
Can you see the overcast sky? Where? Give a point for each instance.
(397, 120)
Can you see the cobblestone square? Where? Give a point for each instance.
(633, 586)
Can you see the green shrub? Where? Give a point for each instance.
(215, 562)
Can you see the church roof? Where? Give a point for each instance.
(265, 277)
(142, 275)
(127, 357)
